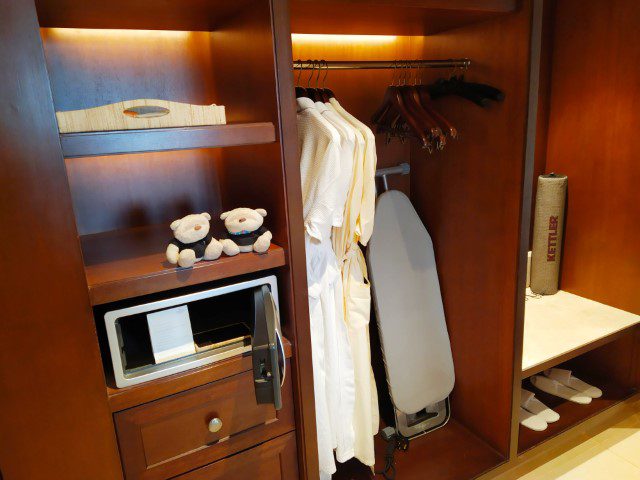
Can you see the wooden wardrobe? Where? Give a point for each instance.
(85, 219)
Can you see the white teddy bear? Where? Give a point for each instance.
(192, 241)
(245, 231)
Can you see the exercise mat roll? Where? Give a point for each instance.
(548, 225)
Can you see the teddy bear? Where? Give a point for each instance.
(245, 232)
(192, 241)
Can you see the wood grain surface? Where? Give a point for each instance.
(273, 460)
(170, 436)
(592, 139)
(121, 116)
(54, 416)
(469, 197)
(130, 263)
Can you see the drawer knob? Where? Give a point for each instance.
(215, 424)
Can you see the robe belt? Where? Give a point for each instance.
(355, 253)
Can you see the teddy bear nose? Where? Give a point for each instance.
(197, 227)
(242, 220)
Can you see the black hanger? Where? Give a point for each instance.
(300, 91)
(478, 93)
(312, 92)
(327, 94)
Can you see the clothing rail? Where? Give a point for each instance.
(379, 64)
(383, 173)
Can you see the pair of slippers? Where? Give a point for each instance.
(534, 414)
(559, 382)
(563, 384)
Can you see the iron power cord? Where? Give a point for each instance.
(394, 442)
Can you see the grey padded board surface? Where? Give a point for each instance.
(406, 293)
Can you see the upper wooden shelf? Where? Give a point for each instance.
(562, 326)
(392, 17)
(204, 15)
(129, 263)
(160, 139)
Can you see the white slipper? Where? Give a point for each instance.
(535, 406)
(553, 387)
(531, 421)
(565, 378)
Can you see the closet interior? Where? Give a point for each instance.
(106, 199)
(467, 194)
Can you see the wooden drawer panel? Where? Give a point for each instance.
(275, 460)
(170, 436)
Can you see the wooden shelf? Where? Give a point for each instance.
(451, 452)
(562, 326)
(129, 263)
(392, 17)
(205, 15)
(571, 413)
(123, 398)
(160, 139)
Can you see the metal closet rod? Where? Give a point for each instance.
(379, 64)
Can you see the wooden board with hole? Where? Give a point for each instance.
(140, 114)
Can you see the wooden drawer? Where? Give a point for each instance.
(171, 436)
(275, 460)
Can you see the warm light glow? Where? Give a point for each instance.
(116, 33)
(341, 39)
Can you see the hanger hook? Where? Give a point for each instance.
(311, 74)
(299, 63)
(317, 62)
(393, 76)
(405, 78)
(326, 72)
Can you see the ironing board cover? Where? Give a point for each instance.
(409, 310)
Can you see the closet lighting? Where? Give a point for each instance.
(338, 39)
(116, 33)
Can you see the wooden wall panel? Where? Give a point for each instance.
(126, 191)
(54, 417)
(89, 68)
(595, 108)
(469, 197)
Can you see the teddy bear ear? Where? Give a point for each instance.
(224, 215)
(206, 215)
(261, 211)
(175, 224)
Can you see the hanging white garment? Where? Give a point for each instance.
(358, 227)
(347, 156)
(319, 151)
(339, 358)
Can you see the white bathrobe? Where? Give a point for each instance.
(358, 227)
(320, 166)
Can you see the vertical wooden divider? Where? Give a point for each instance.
(470, 197)
(55, 421)
(253, 59)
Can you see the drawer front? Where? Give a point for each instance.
(275, 460)
(172, 435)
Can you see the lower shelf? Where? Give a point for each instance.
(571, 413)
(452, 452)
(562, 326)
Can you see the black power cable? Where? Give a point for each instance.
(394, 442)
